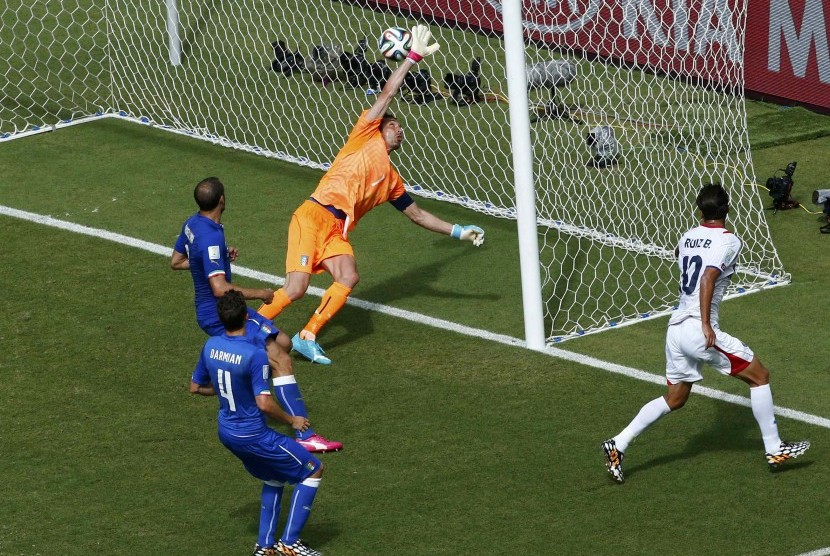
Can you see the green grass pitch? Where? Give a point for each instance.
(454, 445)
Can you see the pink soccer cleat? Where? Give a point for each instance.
(317, 443)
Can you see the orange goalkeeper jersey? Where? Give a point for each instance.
(361, 176)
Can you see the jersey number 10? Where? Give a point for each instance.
(691, 273)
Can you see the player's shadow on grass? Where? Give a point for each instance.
(732, 429)
(316, 533)
(420, 281)
(353, 323)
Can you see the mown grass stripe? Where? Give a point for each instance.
(426, 320)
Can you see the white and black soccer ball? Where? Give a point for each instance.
(394, 43)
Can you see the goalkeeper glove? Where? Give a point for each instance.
(421, 35)
(468, 233)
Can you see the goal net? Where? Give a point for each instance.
(634, 105)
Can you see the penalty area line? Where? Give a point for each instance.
(428, 321)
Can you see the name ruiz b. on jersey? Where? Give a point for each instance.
(225, 357)
(697, 243)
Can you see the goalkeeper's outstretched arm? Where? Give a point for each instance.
(422, 46)
(429, 221)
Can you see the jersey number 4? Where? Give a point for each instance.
(225, 388)
(691, 272)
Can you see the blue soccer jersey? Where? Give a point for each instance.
(239, 372)
(203, 240)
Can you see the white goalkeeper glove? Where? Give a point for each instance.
(421, 36)
(468, 233)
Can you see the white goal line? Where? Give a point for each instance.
(819, 552)
(424, 319)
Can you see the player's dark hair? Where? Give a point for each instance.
(388, 117)
(713, 201)
(232, 310)
(208, 192)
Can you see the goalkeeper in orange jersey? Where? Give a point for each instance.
(360, 178)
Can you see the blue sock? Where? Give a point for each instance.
(301, 500)
(288, 394)
(269, 513)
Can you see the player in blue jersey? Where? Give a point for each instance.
(237, 369)
(707, 256)
(201, 248)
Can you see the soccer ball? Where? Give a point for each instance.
(395, 43)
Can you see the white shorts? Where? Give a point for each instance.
(686, 352)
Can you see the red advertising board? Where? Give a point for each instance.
(787, 51)
(786, 41)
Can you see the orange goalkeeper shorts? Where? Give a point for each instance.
(314, 235)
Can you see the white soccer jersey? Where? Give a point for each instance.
(699, 248)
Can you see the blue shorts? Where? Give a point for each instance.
(271, 456)
(257, 328)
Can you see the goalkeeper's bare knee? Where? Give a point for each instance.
(296, 286)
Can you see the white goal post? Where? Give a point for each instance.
(174, 39)
(593, 123)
